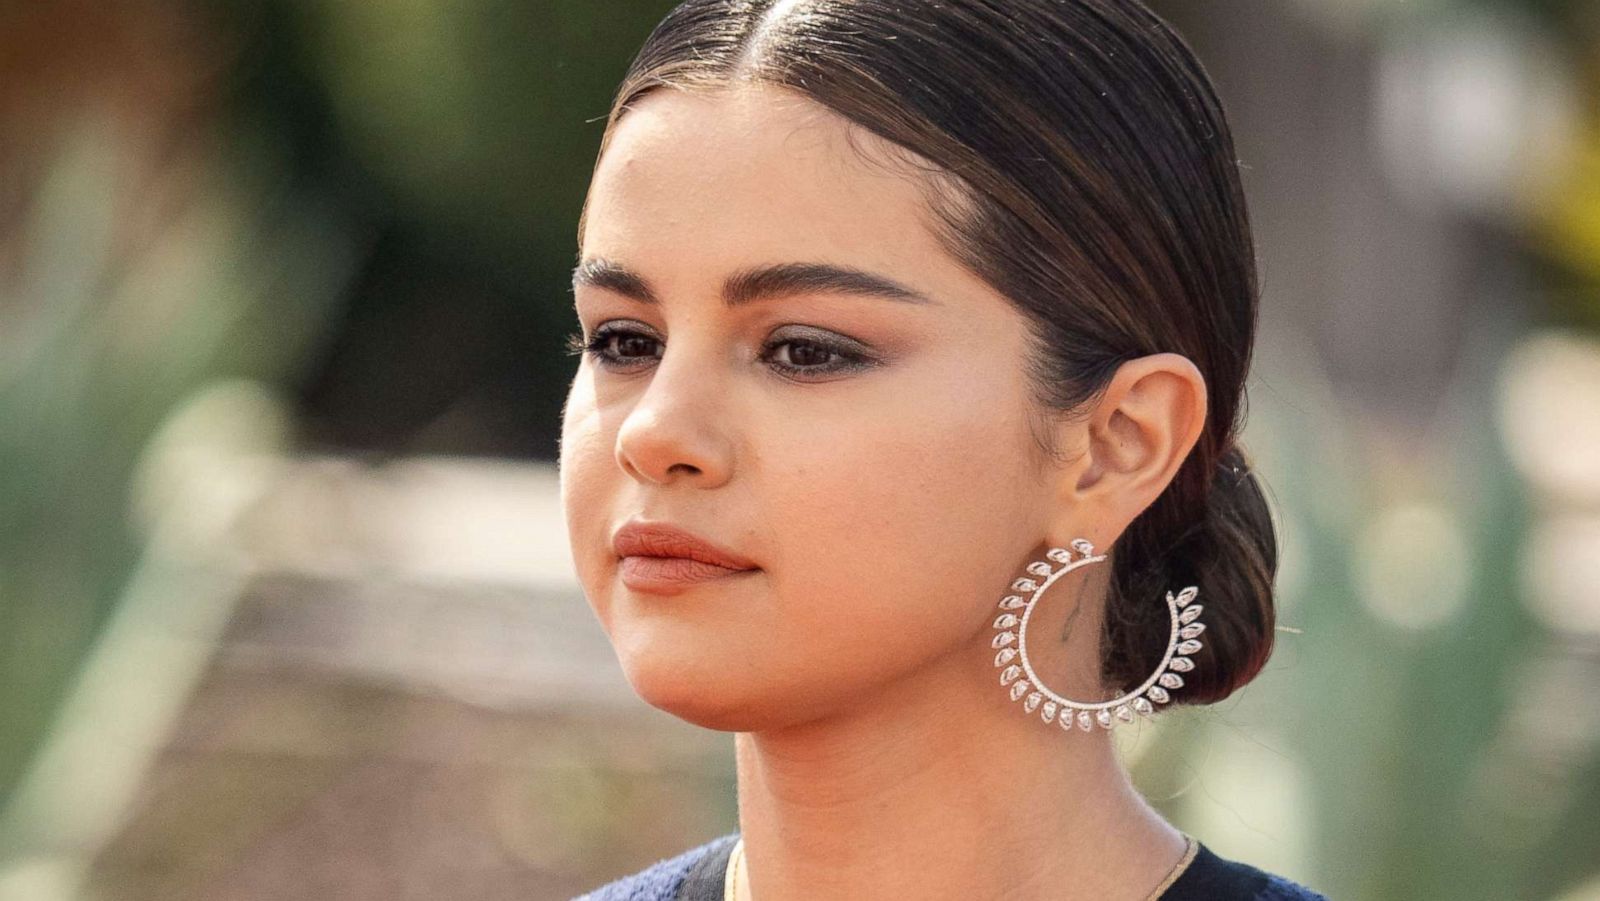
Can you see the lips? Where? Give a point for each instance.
(662, 558)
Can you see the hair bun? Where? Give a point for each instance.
(1230, 550)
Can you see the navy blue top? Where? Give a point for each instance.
(698, 873)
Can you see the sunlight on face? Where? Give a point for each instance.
(856, 424)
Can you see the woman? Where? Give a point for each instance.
(911, 330)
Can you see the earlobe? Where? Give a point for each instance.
(1136, 438)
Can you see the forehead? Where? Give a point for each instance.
(693, 182)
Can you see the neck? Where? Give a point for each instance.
(942, 789)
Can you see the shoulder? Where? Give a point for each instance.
(1211, 877)
(664, 879)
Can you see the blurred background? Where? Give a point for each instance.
(286, 607)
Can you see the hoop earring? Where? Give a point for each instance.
(1012, 645)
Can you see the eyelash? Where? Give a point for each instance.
(596, 348)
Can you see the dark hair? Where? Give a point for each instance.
(1085, 170)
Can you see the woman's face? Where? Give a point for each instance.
(868, 452)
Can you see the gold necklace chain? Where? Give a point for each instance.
(1190, 847)
(731, 888)
(730, 885)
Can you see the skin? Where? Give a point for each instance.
(888, 509)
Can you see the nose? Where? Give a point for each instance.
(676, 429)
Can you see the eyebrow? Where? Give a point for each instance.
(758, 283)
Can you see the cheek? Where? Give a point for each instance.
(586, 483)
(897, 538)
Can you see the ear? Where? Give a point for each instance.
(1134, 441)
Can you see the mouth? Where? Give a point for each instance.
(661, 558)
(668, 575)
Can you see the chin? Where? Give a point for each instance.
(710, 690)
(706, 704)
(696, 687)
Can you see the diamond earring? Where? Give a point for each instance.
(1011, 645)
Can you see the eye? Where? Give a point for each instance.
(814, 354)
(615, 346)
